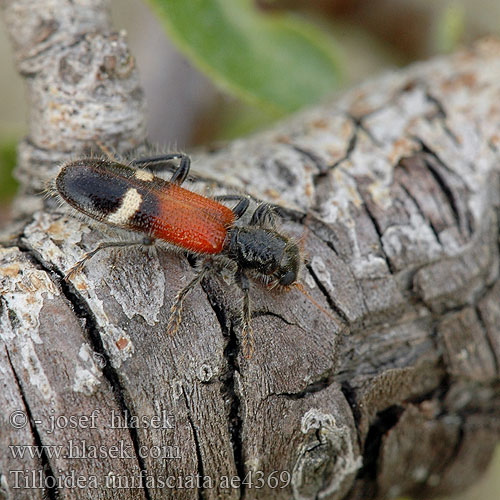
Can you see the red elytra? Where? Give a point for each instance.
(135, 200)
(190, 220)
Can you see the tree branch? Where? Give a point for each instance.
(394, 187)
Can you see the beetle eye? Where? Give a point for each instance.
(288, 278)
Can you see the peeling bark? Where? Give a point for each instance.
(394, 188)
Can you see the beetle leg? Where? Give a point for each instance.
(78, 266)
(162, 162)
(263, 216)
(175, 317)
(247, 337)
(240, 208)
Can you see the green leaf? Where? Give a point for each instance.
(277, 61)
(8, 185)
(450, 27)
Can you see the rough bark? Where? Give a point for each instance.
(394, 189)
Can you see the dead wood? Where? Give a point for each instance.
(394, 188)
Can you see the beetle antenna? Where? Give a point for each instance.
(321, 308)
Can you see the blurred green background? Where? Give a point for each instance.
(353, 38)
(333, 42)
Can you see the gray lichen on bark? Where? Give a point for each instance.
(393, 187)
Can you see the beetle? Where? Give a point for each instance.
(132, 198)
